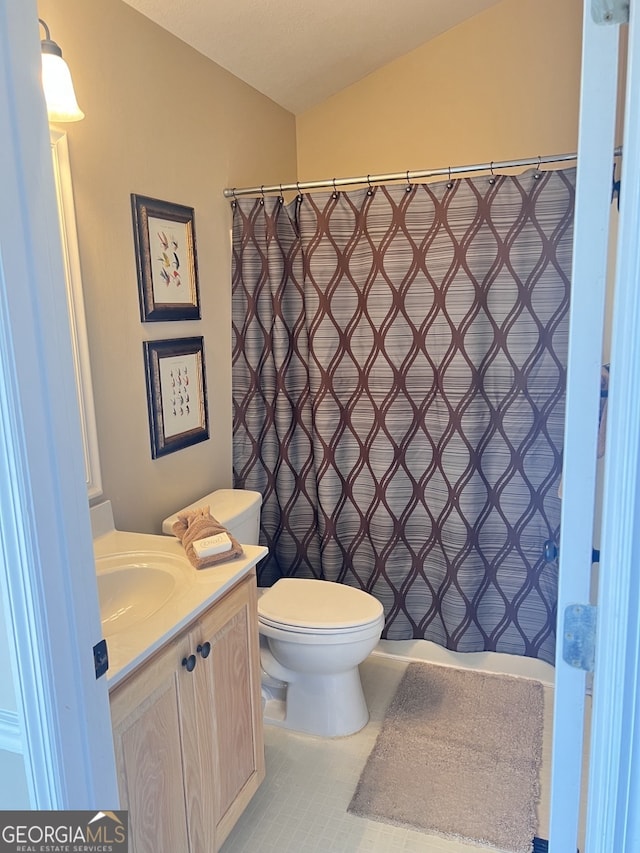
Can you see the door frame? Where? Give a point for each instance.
(613, 814)
(613, 817)
(47, 575)
(592, 221)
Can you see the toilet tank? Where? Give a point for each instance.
(236, 509)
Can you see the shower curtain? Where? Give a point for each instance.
(399, 366)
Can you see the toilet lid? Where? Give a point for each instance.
(319, 605)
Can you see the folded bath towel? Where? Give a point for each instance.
(196, 524)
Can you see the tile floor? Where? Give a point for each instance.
(302, 805)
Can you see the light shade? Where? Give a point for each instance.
(57, 84)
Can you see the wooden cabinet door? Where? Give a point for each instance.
(188, 741)
(228, 705)
(147, 731)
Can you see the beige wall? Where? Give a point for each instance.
(162, 121)
(503, 85)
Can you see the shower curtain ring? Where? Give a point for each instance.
(536, 174)
(262, 191)
(370, 190)
(492, 179)
(281, 198)
(449, 182)
(335, 191)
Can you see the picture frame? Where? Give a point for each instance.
(176, 394)
(166, 260)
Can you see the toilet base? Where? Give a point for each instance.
(321, 705)
(274, 699)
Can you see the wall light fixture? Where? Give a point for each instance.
(56, 82)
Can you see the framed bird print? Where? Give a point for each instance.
(166, 260)
(176, 394)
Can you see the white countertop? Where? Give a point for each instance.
(196, 590)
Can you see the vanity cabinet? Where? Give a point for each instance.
(187, 730)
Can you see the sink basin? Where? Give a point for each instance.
(133, 586)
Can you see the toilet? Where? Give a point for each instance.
(313, 635)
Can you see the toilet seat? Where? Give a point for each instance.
(308, 606)
(270, 625)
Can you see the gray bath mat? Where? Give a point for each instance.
(458, 755)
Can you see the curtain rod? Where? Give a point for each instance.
(332, 183)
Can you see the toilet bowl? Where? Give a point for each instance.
(313, 635)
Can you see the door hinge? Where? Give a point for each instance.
(610, 11)
(579, 636)
(101, 658)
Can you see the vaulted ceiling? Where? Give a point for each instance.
(300, 52)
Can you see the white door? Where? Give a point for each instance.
(611, 773)
(47, 577)
(613, 819)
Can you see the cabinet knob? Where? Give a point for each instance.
(204, 649)
(189, 663)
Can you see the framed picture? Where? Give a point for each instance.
(176, 394)
(166, 261)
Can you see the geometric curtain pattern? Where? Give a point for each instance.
(399, 367)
